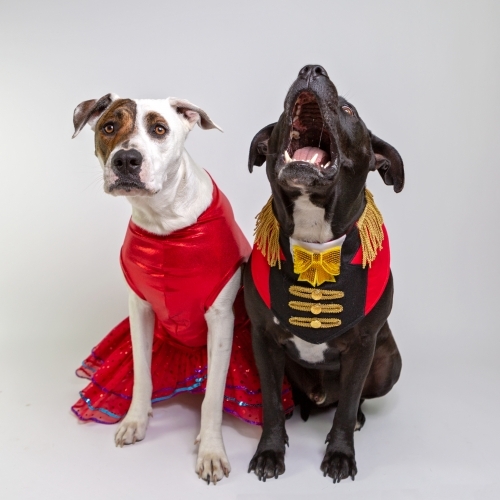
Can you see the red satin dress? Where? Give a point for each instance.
(180, 275)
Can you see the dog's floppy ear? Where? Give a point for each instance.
(193, 114)
(258, 147)
(388, 163)
(90, 111)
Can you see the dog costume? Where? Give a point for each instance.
(180, 275)
(319, 291)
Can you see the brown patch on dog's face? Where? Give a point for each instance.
(156, 125)
(115, 126)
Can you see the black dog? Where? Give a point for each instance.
(319, 239)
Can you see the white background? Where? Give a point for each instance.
(423, 75)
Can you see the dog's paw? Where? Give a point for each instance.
(132, 428)
(360, 420)
(212, 463)
(267, 464)
(338, 466)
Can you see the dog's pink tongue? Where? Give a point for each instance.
(307, 154)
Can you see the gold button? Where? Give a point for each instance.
(316, 294)
(316, 323)
(316, 308)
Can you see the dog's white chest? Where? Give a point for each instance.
(312, 353)
(309, 226)
(309, 221)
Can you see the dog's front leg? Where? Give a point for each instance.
(269, 459)
(339, 462)
(212, 463)
(142, 319)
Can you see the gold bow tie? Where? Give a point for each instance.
(316, 267)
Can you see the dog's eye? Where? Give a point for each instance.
(109, 128)
(160, 130)
(348, 110)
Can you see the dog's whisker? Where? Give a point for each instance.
(346, 95)
(97, 181)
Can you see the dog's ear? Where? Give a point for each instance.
(389, 163)
(193, 114)
(90, 111)
(258, 147)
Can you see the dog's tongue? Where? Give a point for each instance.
(307, 154)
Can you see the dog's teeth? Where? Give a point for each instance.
(294, 134)
(314, 158)
(327, 165)
(287, 157)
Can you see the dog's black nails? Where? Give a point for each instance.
(208, 479)
(264, 478)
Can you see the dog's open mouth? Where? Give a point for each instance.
(310, 140)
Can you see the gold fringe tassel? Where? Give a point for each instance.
(370, 230)
(267, 230)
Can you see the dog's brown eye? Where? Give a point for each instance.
(109, 128)
(160, 130)
(348, 110)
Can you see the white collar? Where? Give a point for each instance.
(317, 247)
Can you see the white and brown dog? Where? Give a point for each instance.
(140, 145)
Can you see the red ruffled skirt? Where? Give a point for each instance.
(175, 369)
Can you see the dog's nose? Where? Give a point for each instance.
(312, 71)
(127, 161)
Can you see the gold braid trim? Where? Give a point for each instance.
(315, 307)
(314, 322)
(267, 231)
(315, 293)
(370, 230)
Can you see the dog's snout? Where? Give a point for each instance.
(312, 71)
(127, 161)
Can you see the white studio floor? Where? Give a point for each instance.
(433, 437)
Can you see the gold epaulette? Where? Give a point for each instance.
(267, 233)
(370, 230)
